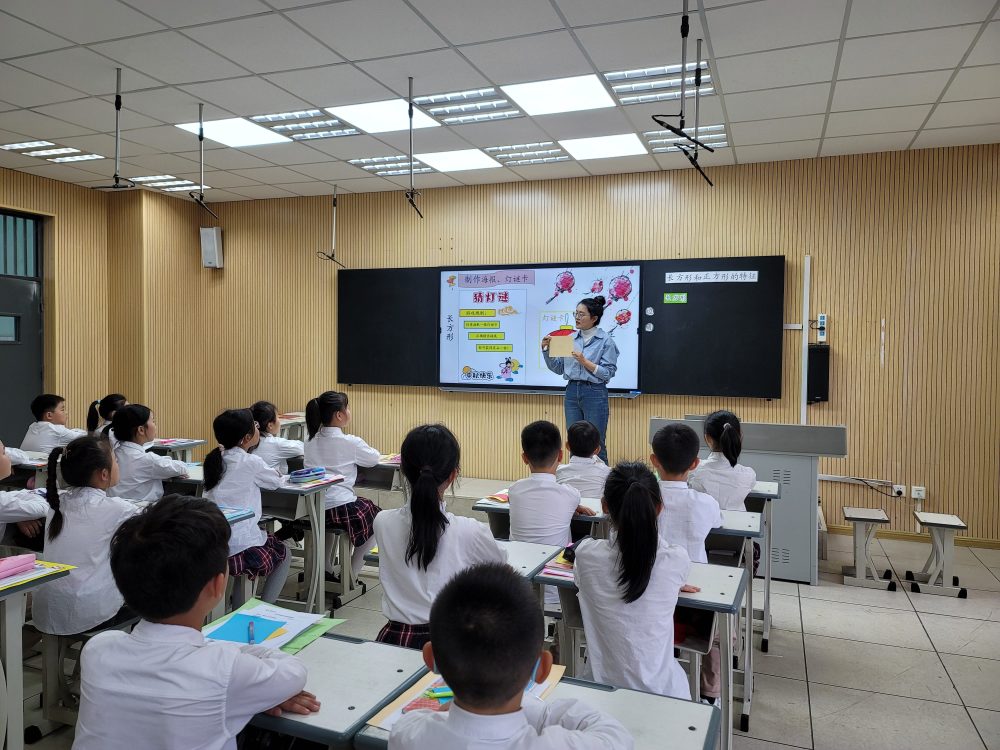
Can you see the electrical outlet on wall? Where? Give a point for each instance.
(918, 493)
(899, 490)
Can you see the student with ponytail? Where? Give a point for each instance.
(273, 449)
(628, 589)
(234, 476)
(100, 414)
(421, 545)
(720, 475)
(339, 453)
(141, 473)
(79, 525)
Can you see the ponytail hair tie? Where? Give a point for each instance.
(427, 471)
(727, 426)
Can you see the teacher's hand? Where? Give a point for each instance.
(545, 343)
(587, 364)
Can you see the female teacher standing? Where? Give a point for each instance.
(593, 364)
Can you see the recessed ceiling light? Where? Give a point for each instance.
(604, 146)
(78, 157)
(185, 187)
(458, 161)
(169, 183)
(560, 95)
(282, 116)
(378, 159)
(153, 178)
(236, 132)
(26, 144)
(52, 152)
(382, 117)
(313, 135)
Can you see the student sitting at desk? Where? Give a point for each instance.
(585, 470)
(486, 642)
(49, 429)
(628, 589)
(720, 475)
(235, 477)
(163, 686)
(421, 545)
(273, 449)
(20, 506)
(141, 473)
(100, 414)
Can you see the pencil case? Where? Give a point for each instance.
(12, 566)
(306, 475)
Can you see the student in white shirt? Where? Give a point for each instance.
(235, 477)
(339, 453)
(720, 475)
(100, 414)
(163, 686)
(81, 521)
(628, 589)
(486, 642)
(24, 507)
(421, 545)
(585, 470)
(141, 473)
(273, 449)
(49, 429)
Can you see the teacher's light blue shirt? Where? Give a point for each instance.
(600, 349)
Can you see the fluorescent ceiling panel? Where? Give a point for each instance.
(560, 95)
(382, 117)
(604, 146)
(458, 161)
(26, 144)
(236, 132)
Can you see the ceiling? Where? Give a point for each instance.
(790, 78)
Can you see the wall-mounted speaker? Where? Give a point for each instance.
(211, 247)
(818, 380)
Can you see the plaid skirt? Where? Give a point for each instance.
(258, 561)
(408, 636)
(357, 517)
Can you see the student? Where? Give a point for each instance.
(100, 413)
(720, 475)
(141, 473)
(163, 686)
(421, 545)
(628, 589)
(274, 450)
(486, 642)
(80, 523)
(687, 515)
(24, 507)
(339, 453)
(49, 429)
(585, 470)
(235, 477)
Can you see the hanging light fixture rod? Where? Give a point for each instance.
(412, 194)
(332, 255)
(119, 182)
(199, 197)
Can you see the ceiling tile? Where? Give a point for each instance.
(622, 165)
(435, 72)
(164, 138)
(217, 178)
(557, 171)
(352, 147)
(83, 22)
(888, 120)
(484, 176)
(28, 90)
(641, 115)
(956, 136)
(84, 70)
(594, 122)
(172, 105)
(787, 102)
(331, 85)
(226, 158)
(768, 70)
(369, 185)
(6, 106)
(35, 125)
(721, 158)
(427, 181)
(960, 114)
(532, 58)
(426, 140)
(245, 96)
(331, 171)
(308, 188)
(886, 16)
(9, 136)
(639, 44)
(171, 57)
(364, 29)
(974, 83)
(177, 13)
(776, 131)
(95, 114)
(863, 144)
(502, 133)
(103, 143)
(14, 160)
(583, 12)
(905, 53)
(286, 154)
(264, 44)
(20, 38)
(777, 152)
(269, 175)
(755, 27)
(987, 49)
(63, 172)
(262, 191)
(467, 21)
(889, 91)
(222, 196)
(159, 164)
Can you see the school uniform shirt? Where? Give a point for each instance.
(88, 596)
(141, 474)
(164, 687)
(339, 454)
(275, 451)
(631, 645)
(729, 485)
(16, 455)
(246, 475)
(687, 517)
(598, 347)
(407, 590)
(20, 505)
(541, 509)
(44, 436)
(105, 431)
(538, 725)
(586, 474)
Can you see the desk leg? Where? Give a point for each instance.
(12, 611)
(766, 629)
(726, 690)
(748, 639)
(317, 579)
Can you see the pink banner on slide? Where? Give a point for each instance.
(488, 279)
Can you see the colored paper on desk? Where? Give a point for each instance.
(320, 482)
(502, 496)
(310, 634)
(11, 566)
(41, 569)
(390, 458)
(298, 630)
(237, 629)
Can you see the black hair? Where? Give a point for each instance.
(321, 410)
(486, 631)
(163, 557)
(44, 403)
(230, 428)
(724, 429)
(540, 442)
(633, 499)
(128, 419)
(263, 413)
(105, 408)
(584, 439)
(428, 456)
(676, 447)
(80, 459)
(595, 306)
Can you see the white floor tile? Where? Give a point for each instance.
(61, 739)
(957, 635)
(837, 559)
(988, 724)
(743, 742)
(784, 657)
(372, 599)
(780, 711)
(990, 557)
(977, 680)
(831, 588)
(361, 623)
(785, 612)
(919, 551)
(980, 605)
(857, 622)
(777, 587)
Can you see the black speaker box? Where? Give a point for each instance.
(818, 381)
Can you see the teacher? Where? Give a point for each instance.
(593, 364)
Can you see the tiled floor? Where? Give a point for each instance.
(852, 668)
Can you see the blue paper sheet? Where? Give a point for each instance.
(237, 629)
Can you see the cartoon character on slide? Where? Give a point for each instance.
(508, 369)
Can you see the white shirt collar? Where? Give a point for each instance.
(671, 484)
(542, 476)
(486, 727)
(584, 459)
(330, 431)
(132, 446)
(156, 632)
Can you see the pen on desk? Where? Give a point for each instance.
(250, 633)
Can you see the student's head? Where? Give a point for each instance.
(234, 428)
(265, 414)
(49, 408)
(486, 636)
(104, 409)
(675, 449)
(632, 499)
(85, 462)
(541, 446)
(589, 312)
(583, 439)
(329, 409)
(429, 460)
(172, 557)
(723, 433)
(134, 423)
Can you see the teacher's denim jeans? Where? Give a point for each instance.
(588, 401)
